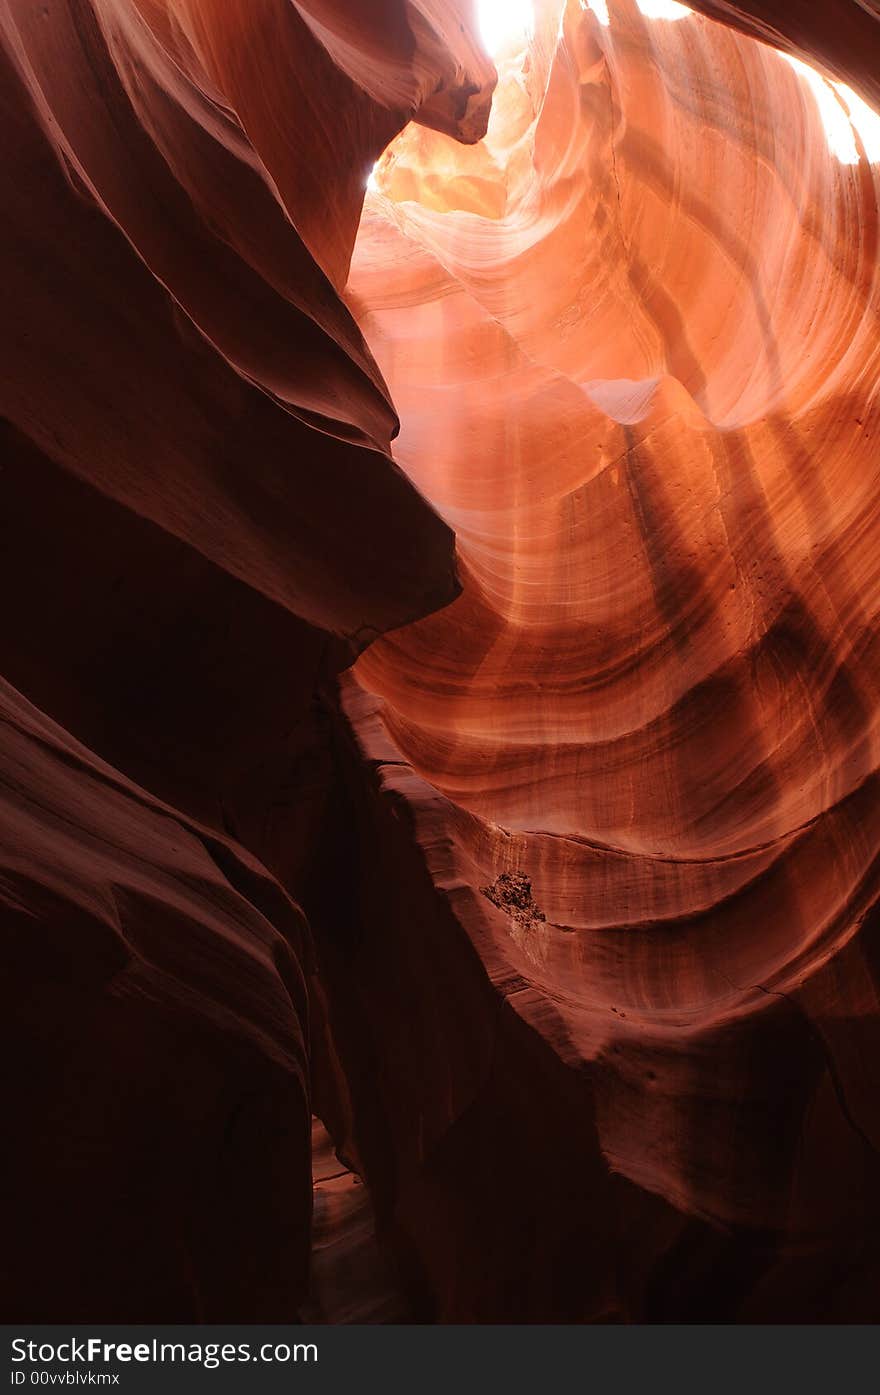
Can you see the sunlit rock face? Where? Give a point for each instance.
(559, 907)
(632, 338)
(201, 524)
(840, 36)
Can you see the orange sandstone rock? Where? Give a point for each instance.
(585, 983)
(633, 343)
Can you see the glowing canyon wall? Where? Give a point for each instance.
(501, 789)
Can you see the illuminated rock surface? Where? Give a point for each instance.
(201, 525)
(586, 842)
(633, 341)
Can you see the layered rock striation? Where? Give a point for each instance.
(202, 524)
(559, 907)
(632, 337)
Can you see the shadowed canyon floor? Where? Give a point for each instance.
(442, 687)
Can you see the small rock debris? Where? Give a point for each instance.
(512, 892)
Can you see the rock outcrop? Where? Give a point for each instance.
(202, 524)
(503, 790)
(632, 338)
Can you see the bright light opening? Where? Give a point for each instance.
(844, 113)
(505, 23)
(651, 9)
(372, 181)
(599, 8)
(663, 9)
(864, 119)
(839, 119)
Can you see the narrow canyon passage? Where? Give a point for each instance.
(632, 337)
(440, 713)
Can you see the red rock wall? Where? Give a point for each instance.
(586, 984)
(633, 341)
(841, 37)
(202, 523)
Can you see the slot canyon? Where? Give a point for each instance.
(440, 806)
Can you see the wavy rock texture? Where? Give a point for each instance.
(633, 341)
(584, 985)
(842, 37)
(352, 1279)
(202, 523)
(154, 987)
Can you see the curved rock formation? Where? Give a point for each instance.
(633, 341)
(202, 523)
(842, 37)
(155, 990)
(585, 981)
